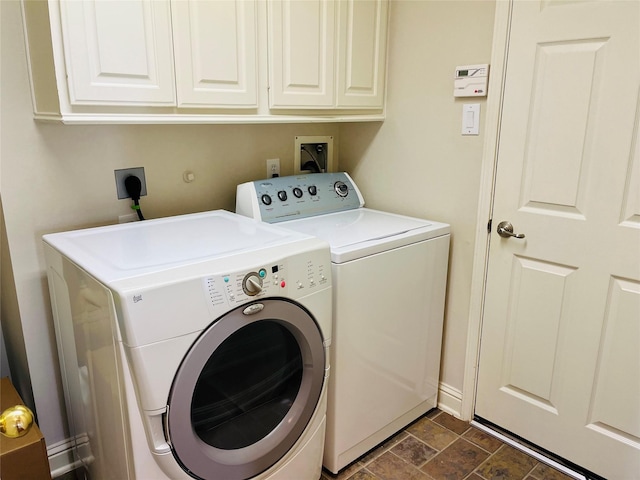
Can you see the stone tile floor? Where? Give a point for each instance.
(438, 446)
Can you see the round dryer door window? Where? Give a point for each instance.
(246, 390)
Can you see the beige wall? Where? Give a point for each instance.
(58, 177)
(417, 162)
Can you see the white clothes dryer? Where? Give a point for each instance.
(193, 346)
(389, 281)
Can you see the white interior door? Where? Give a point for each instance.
(560, 348)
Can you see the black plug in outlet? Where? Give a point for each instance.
(122, 174)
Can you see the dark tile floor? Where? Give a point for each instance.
(438, 446)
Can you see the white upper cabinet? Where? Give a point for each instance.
(302, 53)
(327, 54)
(362, 53)
(118, 52)
(215, 46)
(207, 61)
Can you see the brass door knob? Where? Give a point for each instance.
(16, 421)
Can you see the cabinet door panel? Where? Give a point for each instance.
(215, 53)
(118, 52)
(362, 29)
(301, 53)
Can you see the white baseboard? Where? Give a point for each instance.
(450, 400)
(60, 456)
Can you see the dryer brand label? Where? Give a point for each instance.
(137, 298)
(254, 308)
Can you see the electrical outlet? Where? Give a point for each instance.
(273, 167)
(122, 174)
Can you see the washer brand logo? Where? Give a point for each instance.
(137, 298)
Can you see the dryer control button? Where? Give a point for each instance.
(252, 284)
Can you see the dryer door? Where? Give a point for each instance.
(246, 390)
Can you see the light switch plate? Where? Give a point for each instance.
(471, 119)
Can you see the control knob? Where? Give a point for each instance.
(341, 188)
(297, 192)
(252, 284)
(266, 199)
(282, 195)
(313, 190)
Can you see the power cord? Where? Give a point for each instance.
(313, 164)
(134, 187)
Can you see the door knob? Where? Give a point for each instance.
(505, 230)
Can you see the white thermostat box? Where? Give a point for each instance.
(471, 81)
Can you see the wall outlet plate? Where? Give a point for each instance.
(124, 173)
(273, 167)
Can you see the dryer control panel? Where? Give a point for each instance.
(292, 277)
(298, 196)
(241, 287)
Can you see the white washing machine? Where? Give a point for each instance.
(193, 346)
(389, 281)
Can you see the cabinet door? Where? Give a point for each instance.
(362, 42)
(301, 53)
(215, 53)
(118, 52)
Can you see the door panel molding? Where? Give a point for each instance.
(630, 216)
(535, 329)
(573, 69)
(609, 413)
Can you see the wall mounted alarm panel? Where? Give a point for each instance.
(471, 81)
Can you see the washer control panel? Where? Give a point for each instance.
(298, 196)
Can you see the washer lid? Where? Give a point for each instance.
(126, 250)
(357, 233)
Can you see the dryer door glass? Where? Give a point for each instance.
(246, 391)
(247, 386)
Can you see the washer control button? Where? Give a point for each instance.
(313, 190)
(266, 199)
(341, 188)
(282, 195)
(297, 192)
